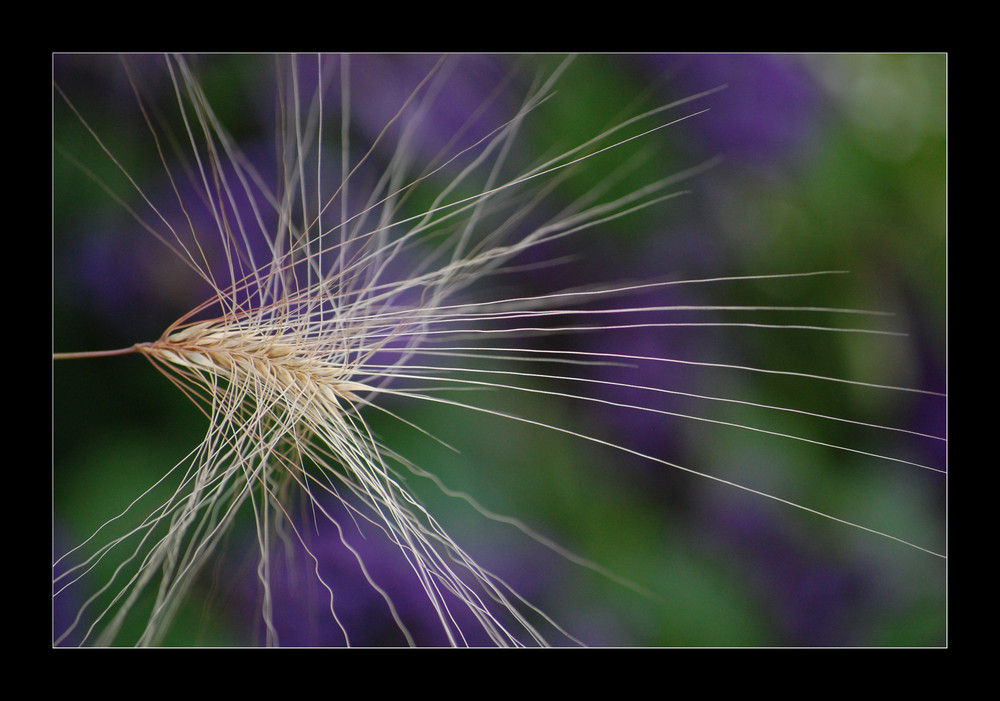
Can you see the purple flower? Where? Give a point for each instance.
(810, 600)
(304, 589)
(765, 114)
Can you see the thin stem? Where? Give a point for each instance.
(96, 354)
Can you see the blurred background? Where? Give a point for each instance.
(814, 163)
